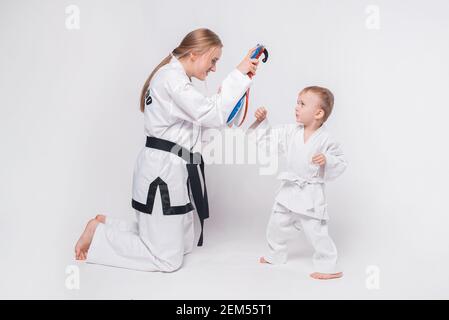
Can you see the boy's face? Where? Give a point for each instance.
(308, 108)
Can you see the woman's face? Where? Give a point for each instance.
(205, 63)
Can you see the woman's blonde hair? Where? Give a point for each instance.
(198, 41)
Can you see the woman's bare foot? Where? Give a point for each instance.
(262, 260)
(101, 218)
(83, 244)
(326, 276)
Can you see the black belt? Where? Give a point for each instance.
(192, 161)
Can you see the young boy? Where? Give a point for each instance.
(313, 158)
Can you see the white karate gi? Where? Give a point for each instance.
(174, 111)
(300, 203)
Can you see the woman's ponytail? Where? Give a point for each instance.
(147, 83)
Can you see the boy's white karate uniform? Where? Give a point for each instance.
(174, 111)
(300, 203)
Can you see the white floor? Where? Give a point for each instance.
(226, 268)
(407, 243)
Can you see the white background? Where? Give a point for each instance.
(70, 131)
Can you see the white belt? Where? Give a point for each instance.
(300, 181)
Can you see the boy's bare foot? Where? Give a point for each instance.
(83, 244)
(326, 276)
(101, 218)
(262, 260)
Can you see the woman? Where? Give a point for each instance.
(166, 172)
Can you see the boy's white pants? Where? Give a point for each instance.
(156, 242)
(283, 225)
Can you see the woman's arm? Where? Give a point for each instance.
(191, 105)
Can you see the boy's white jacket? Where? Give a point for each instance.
(302, 187)
(175, 110)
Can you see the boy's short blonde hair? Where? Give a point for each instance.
(326, 96)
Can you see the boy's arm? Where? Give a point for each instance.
(265, 135)
(261, 118)
(335, 161)
(261, 132)
(256, 125)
